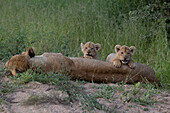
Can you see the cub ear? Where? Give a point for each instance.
(97, 46)
(117, 48)
(30, 52)
(82, 45)
(132, 49)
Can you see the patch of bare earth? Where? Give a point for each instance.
(161, 106)
(44, 100)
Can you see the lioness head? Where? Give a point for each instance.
(90, 49)
(124, 53)
(19, 62)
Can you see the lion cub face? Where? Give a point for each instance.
(124, 53)
(124, 56)
(90, 50)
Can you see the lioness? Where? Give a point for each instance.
(46, 62)
(83, 68)
(90, 50)
(19, 62)
(123, 56)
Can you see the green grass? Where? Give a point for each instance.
(136, 94)
(73, 90)
(61, 25)
(140, 93)
(105, 91)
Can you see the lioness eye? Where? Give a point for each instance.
(91, 48)
(121, 52)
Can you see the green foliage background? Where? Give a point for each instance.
(61, 25)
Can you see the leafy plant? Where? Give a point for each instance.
(141, 97)
(105, 91)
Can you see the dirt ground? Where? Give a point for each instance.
(15, 100)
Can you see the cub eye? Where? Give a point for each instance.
(122, 53)
(86, 48)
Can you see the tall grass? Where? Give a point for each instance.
(61, 25)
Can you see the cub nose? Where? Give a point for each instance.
(88, 51)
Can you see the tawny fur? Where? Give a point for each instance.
(90, 50)
(55, 62)
(100, 71)
(123, 56)
(89, 69)
(47, 62)
(30, 52)
(20, 62)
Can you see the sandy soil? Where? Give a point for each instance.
(15, 100)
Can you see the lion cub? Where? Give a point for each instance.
(90, 50)
(123, 56)
(19, 62)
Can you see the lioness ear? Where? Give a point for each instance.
(117, 48)
(82, 45)
(132, 49)
(97, 46)
(30, 52)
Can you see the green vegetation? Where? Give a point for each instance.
(73, 90)
(61, 25)
(141, 97)
(107, 92)
(140, 93)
